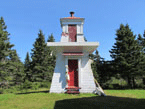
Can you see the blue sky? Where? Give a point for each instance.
(24, 18)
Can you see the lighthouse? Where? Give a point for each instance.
(72, 73)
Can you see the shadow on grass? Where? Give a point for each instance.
(99, 102)
(46, 91)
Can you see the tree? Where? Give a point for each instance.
(85, 39)
(5, 50)
(16, 68)
(102, 69)
(144, 56)
(50, 59)
(27, 69)
(141, 42)
(96, 61)
(38, 64)
(51, 38)
(126, 55)
(43, 60)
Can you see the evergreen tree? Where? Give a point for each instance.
(141, 42)
(96, 62)
(39, 65)
(27, 69)
(85, 39)
(27, 61)
(144, 56)
(16, 68)
(50, 59)
(127, 58)
(51, 38)
(102, 69)
(5, 50)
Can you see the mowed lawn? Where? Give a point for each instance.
(116, 99)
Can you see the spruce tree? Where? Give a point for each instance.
(51, 38)
(102, 69)
(39, 65)
(96, 62)
(16, 68)
(141, 42)
(51, 55)
(5, 50)
(85, 39)
(144, 56)
(27, 61)
(126, 54)
(27, 68)
(50, 59)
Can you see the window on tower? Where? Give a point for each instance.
(72, 30)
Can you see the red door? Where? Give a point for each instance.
(73, 73)
(72, 33)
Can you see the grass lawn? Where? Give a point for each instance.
(116, 99)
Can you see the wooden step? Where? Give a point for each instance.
(72, 92)
(72, 88)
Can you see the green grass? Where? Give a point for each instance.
(138, 94)
(41, 99)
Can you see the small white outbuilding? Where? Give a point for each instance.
(72, 73)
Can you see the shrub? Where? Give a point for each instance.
(11, 90)
(115, 83)
(139, 83)
(4, 85)
(45, 84)
(26, 85)
(35, 85)
(1, 91)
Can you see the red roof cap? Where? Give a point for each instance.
(72, 16)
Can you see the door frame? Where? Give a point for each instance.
(76, 68)
(79, 67)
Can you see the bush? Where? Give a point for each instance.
(45, 84)
(1, 91)
(11, 90)
(26, 85)
(115, 83)
(36, 85)
(139, 83)
(4, 85)
(111, 86)
(140, 86)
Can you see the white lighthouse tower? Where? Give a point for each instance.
(72, 72)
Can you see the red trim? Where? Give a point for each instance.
(73, 54)
(72, 18)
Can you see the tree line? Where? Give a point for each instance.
(125, 70)
(34, 72)
(127, 67)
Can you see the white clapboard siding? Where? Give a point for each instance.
(87, 79)
(58, 81)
